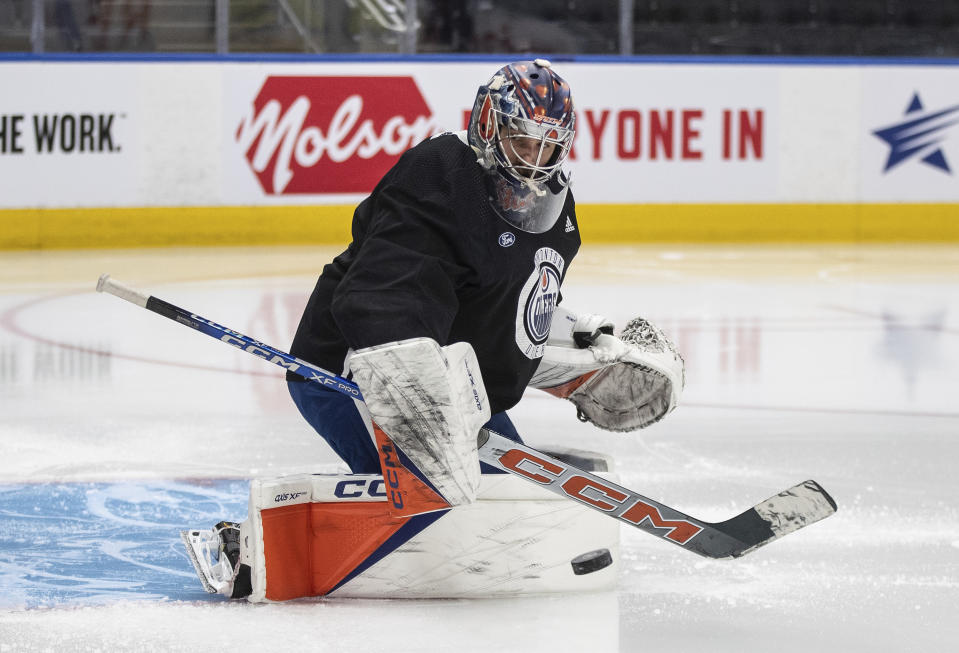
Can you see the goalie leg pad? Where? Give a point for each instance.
(316, 535)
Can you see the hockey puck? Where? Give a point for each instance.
(591, 561)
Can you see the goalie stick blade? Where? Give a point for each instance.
(788, 511)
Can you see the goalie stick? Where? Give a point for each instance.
(770, 520)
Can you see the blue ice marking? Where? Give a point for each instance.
(69, 544)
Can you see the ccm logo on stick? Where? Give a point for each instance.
(272, 356)
(593, 492)
(265, 354)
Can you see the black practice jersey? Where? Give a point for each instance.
(430, 257)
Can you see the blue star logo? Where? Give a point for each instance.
(920, 135)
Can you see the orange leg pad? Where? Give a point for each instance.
(344, 536)
(287, 539)
(310, 547)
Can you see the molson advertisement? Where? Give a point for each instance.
(326, 135)
(643, 134)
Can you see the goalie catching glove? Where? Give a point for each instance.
(617, 383)
(431, 402)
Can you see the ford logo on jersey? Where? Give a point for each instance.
(506, 239)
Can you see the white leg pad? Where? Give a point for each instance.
(313, 535)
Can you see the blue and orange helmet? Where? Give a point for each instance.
(523, 121)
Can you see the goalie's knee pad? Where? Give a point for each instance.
(431, 402)
(617, 383)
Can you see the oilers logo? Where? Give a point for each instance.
(537, 301)
(541, 303)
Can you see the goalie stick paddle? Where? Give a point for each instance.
(784, 513)
(788, 511)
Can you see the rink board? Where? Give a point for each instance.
(600, 223)
(148, 152)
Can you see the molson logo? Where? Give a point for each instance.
(331, 134)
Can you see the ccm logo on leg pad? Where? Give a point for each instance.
(356, 488)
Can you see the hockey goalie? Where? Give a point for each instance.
(443, 310)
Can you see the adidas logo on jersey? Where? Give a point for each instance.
(569, 225)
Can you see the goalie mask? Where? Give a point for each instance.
(522, 127)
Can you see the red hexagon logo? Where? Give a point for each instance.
(311, 135)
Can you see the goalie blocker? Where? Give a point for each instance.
(316, 535)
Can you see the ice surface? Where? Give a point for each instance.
(832, 363)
